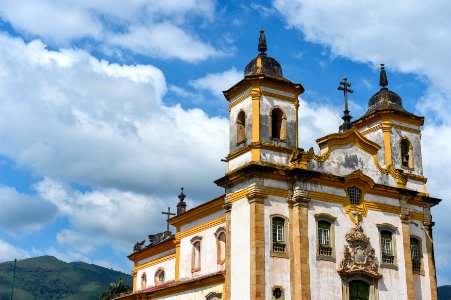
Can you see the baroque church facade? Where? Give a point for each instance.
(350, 222)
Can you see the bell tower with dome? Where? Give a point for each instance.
(263, 113)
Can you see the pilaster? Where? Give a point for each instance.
(256, 199)
(427, 222)
(301, 266)
(405, 221)
(387, 142)
(228, 261)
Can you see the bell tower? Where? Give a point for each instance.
(263, 113)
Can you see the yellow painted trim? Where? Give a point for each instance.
(237, 195)
(134, 274)
(275, 192)
(196, 213)
(371, 129)
(255, 93)
(177, 261)
(417, 216)
(180, 235)
(239, 100)
(154, 262)
(387, 143)
(255, 154)
(352, 136)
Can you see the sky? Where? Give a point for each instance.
(108, 107)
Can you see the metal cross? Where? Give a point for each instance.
(344, 86)
(169, 214)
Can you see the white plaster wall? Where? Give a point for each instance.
(196, 294)
(169, 273)
(378, 138)
(395, 139)
(421, 282)
(208, 253)
(415, 185)
(383, 200)
(153, 257)
(274, 157)
(347, 159)
(240, 249)
(202, 220)
(264, 88)
(323, 273)
(277, 270)
(240, 160)
(275, 184)
(326, 189)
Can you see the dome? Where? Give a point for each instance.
(263, 64)
(384, 98)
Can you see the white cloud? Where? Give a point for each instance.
(158, 29)
(103, 216)
(8, 252)
(21, 213)
(163, 40)
(215, 83)
(74, 118)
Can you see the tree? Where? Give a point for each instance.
(115, 289)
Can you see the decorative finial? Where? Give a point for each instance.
(262, 43)
(182, 196)
(181, 206)
(383, 82)
(344, 86)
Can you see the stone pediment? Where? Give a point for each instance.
(359, 257)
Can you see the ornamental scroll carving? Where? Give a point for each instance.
(359, 257)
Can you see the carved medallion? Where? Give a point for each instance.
(359, 256)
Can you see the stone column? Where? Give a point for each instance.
(427, 222)
(301, 266)
(405, 221)
(228, 261)
(256, 199)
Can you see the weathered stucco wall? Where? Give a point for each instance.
(169, 273)
(240, 249)
(208, 254)
(396, 135)
(246, 106)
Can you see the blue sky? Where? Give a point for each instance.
(107, 108)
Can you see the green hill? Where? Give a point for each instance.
(46, 277)
(444, 292)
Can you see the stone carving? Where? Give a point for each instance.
(139, 246)
(359, 257)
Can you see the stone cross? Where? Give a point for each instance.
(169, 214)
(344, 86)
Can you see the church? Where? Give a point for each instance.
(352, 221)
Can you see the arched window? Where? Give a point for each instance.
(406, 154)
(354, 195)
(278, 235)
(143, 280)
(241, 127)
(221, 247)
(196, 254)
(278, 124)
(415, 252)
(325, 236)
(159, 276)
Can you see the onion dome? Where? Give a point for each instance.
(384, 99)
(263, 64)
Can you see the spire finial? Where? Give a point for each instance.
(344, 86)
(181, 206)
(383, 82)
(262, 43)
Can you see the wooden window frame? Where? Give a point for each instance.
(286, 244)
(283, 126)
(324, 217)
(385, 227)
(420, 255)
